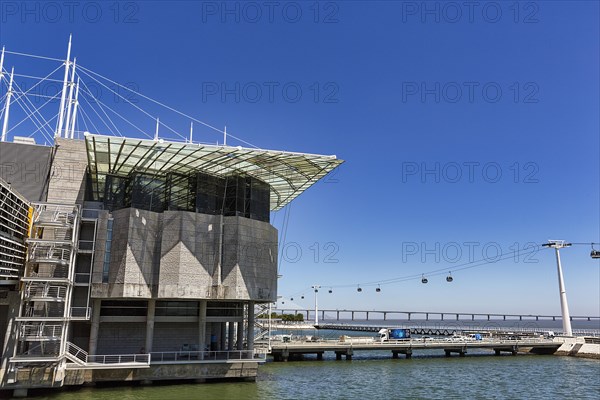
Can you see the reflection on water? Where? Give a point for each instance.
(374, 375)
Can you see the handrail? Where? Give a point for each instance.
(77, 353)
(119, 358)
(170, 356)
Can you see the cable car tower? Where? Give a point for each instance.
(564, 306)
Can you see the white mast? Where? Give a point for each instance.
(156, 133)
(70, 101)
(74, 117)
(564, 306)
(7, 107)
(1, 65)
(61, 113)
(191, 130)
(225, 137)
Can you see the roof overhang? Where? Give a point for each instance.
(288, 174)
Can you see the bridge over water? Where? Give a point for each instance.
(337, 315)
(347, 346)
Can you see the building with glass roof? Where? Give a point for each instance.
(157, 253)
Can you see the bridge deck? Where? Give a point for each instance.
(347, 347)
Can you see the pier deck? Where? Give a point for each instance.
(347, 347)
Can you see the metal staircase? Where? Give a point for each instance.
(47, 286)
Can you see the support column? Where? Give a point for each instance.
(150, 325)
(223, 344)
(240, 336)
(250, 333)
(230, 335)
(95, 326)
(202, 327)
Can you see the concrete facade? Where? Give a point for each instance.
(177, 255)
(150, 281)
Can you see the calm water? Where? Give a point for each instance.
(375, 375)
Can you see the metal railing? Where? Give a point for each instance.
(39, 251)
(181, 356)
(80, 356)
(53, 213)
(77, 353)
(45, 291)
(119, 358)
(41, 331)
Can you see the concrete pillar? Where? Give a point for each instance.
(384, 316)
(202, 326)
(250, 333)
(367, 315)
(394, 354)
(223, 336)
(150, 325)
(457, 316)
(95, 326)
(230, 335)
(240, 336)
(338, 316)
(319, 356)
(426, 316)
(322, 315)
(408, 354)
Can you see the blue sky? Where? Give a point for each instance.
(466, 130)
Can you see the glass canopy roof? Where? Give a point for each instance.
(288, 174)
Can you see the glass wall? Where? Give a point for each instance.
(199, 192)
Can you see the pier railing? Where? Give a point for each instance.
(186, 356)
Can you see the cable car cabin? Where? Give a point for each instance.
(595, 254)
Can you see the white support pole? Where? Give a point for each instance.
(316, 288)
(70, 101)
(225, 137)
(191, 131)
(7, 107)
(156, 132)
(61, 111)
(1, 66)
(564, 306)
(75, 106)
